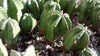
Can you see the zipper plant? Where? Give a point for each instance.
(10, 31)
(50, 7)
(80, 35)
(3, 50)
(14, 9)
(28, 22)
(57, 26)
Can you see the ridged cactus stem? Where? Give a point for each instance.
(10, 31)
(82, 10)
(80, 34)
(15, 9)
(28, 23)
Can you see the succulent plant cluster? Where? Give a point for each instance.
(55, 18)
